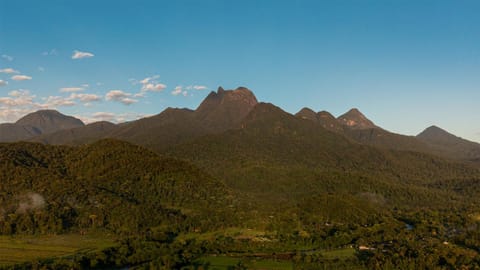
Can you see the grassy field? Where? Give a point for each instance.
(223, 262)
(17, 249)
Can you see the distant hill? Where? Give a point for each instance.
(279, 159)
(357, 127)
(324, 118)
(447, 144)
(80, 135)
(37, 123)
(220, 111)
(354, 119)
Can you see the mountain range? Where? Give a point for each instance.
(301, 181)
(222, 111)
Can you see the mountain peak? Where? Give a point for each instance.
(225, 108)
(47, 121)
(356, 120)
(307, 113)
(325, 115)
(436, 133)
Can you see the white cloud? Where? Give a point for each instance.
(116, 95)
(149, 84)
(3, 83)
(120, 96)
(85, 97)
(199, 87)
(71, 89)
(177, 91)
(57, 101)
(153, 87)
(9, 71)
(20, 102)
(128, 101)
(81, 55)
(104, 116)
(7, 57)
(17, 98)
(111, 117)
(21, 78)
(148, 79)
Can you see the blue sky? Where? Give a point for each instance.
(405, 64)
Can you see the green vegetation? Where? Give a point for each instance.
(25, 248)
(226, 263)
(278, 193)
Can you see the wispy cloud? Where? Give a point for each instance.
(177, 91)
(51, 52)
(20, 102)
(7, 57)
(21, 78)
(71, 89)
(3, 83)
(111, 117)
(200, 87)
(104, 116)
(85, 97)
(196, 87)
(120, 96)
(149, 84)
(17, 98)
(41, 69)
(81, 55)
(154, 87)
(16, 104)
(58, 101)
(9, 71)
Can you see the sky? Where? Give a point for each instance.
(406, 64)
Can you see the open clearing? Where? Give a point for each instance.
(18, 249)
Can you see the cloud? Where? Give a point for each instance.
(177, 91)
(120, 96)
(85, 97)
(7, 57)
(148, 79)
(9, 71)
(149, 84)
(41, 69)
(197, 87)
(111, 117)
(104, 116)
(3, 83)
(153, 87)
(21, 102)
(128, 101)
(81, 55)
(21, 78)
(57, 101)
(71, 89)
(51, 52)
(17, 98)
